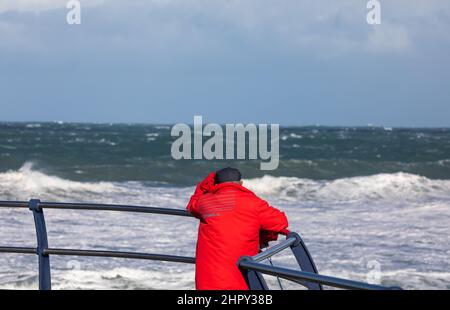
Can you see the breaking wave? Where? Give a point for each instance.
(27, 182)
(392, 187)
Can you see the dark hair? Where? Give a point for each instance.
(227, 175)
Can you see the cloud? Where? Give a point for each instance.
(388, 37)
(37, 6)
(322, 27)
(30, 5)
(313, 60)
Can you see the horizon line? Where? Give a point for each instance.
(223, 124)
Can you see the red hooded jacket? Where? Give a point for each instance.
(233, 223)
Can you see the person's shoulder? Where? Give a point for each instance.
(251, 196)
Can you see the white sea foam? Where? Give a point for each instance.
(111, 279)
(381, 187)
(152, 134)
(400, 187)
(26, 183)
(295, 136)
(33, 125)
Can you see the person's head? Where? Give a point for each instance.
(228, 175)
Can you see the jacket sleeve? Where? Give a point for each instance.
(202, 188)
(272, 222)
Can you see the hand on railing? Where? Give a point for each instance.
(267, 236)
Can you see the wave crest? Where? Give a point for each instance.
(393, 187)
(27, 183)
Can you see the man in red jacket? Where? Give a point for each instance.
(233, 223)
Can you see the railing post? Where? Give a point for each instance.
(45, 282)
(304, 259)
(254, 279)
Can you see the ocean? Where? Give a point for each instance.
(371, 203)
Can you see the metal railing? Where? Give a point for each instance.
(251, 267)
(307, 277)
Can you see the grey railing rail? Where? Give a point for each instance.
(119, 254)
(302, 276)
(251, 267)
(307, 276)
(43, 251)
(94, 206)
(18, 250)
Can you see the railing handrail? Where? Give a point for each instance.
(120, 254)
(309, 278)
(14, 204)
(98, 207)
(274, 249)
(290, 274)
(17, 249)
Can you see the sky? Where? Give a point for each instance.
(290, 62)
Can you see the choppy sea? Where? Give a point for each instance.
(372, 204)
